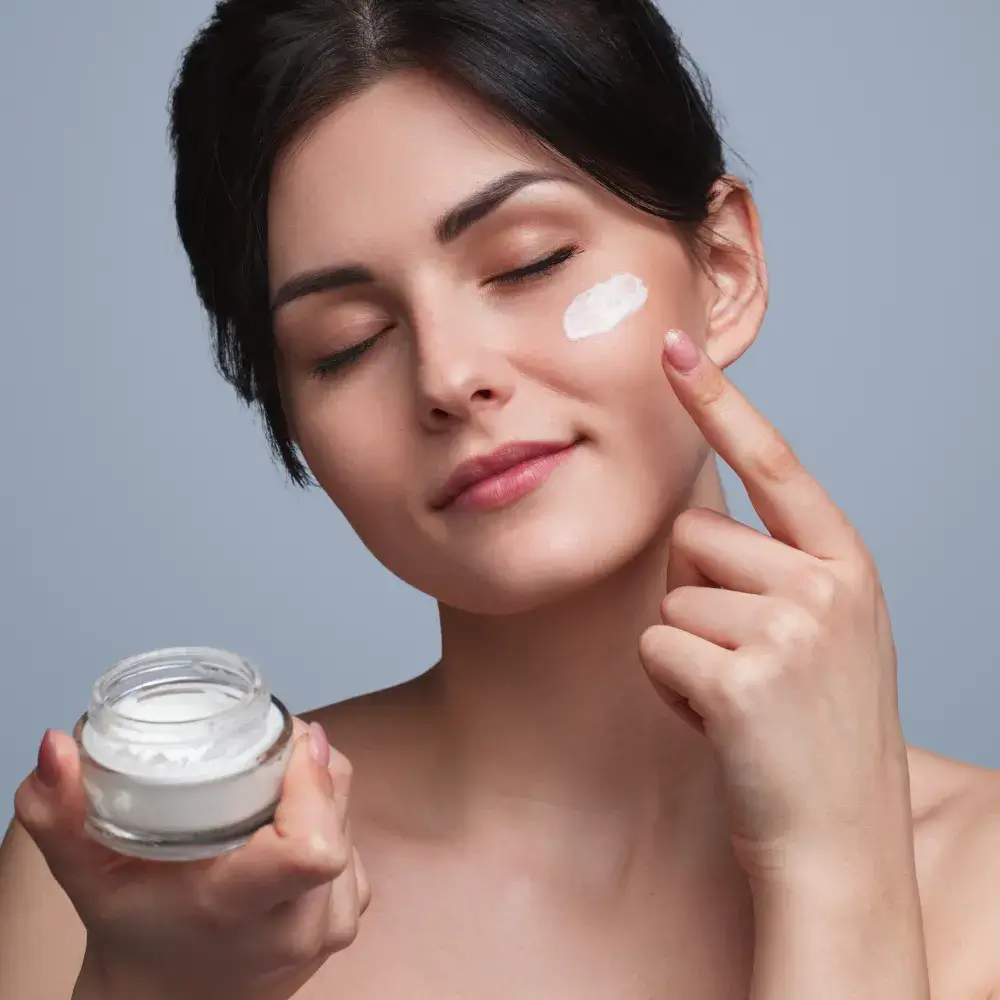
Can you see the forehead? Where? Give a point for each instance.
(378, 171)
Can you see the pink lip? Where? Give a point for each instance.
(489, 482)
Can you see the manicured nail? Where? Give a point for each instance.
(681, 351)
(47, 768)
(319, 745)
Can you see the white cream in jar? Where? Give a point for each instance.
(183, 752)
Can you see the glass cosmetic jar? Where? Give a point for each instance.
(183, 754)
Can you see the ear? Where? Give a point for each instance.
(733, 257)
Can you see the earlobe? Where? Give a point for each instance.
(737, 272)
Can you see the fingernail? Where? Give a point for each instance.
(47, 768)
(319, 745)
(681, 351)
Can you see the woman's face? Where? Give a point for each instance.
(453, 350)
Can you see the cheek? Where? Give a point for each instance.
(608, 330)
(657, 448)
(620, 370)
(357, 452)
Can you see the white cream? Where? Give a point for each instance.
(179, 760)
(183, 752)
(605, 306)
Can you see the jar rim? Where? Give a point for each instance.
(179, 656)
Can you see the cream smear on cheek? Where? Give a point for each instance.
(605, 306)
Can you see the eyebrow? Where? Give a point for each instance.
(458, 220)
(488, 200)
(325, 280)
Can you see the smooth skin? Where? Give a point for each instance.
(661, 753)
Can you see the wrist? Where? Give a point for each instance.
(94, 983)
(101, 978)
(840, 865)
(852, 893)
(840, 931)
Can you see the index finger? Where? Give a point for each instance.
(792, 505)
(52, 813)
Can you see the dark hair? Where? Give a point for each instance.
(606, 84)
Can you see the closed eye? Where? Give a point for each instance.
(334, 362)
(341, 359)
(538, 268)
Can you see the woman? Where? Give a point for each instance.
(661, 753)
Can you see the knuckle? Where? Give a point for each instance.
(790, 626)
(714, 694)
(340, 764)
(774, 461)
(860, 575)
(817, 586)
(752, 675)
(342, 931)
(667, 607)
(711, 390)
(31, 812)
(653, 645)
(340, 857)
(674, 603)
(341, 772)
(209, 915)
(305, 944)
(688, 525)
(320, 857)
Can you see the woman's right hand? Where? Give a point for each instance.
(255, 923)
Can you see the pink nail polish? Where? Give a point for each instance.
(319, 745)
(681, 351)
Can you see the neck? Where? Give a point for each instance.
(549, 714)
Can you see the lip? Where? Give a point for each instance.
(494, 480)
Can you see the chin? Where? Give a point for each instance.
(520, 567)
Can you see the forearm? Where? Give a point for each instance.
(845, 939)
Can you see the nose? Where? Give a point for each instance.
(460, 376)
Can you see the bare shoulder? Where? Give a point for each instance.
(957, 839)
(376, 727)
(41, 938)
(388, 734)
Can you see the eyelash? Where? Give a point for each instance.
(537, 269)
(348, 356)
(540, 267)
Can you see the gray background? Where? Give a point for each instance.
(139, 506)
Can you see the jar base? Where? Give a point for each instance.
(174, 847)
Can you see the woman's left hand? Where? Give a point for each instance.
(778, 648)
